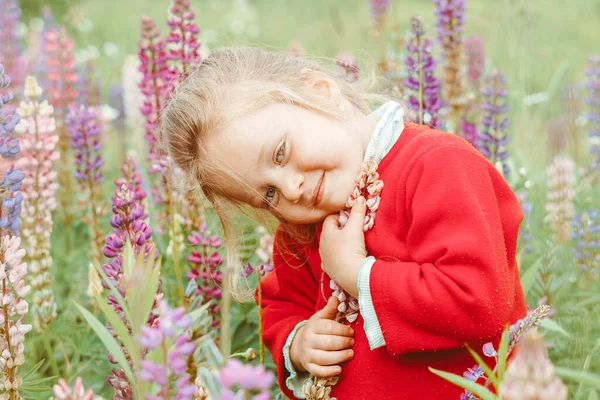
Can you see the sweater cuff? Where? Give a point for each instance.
(365, 303)
(295, 381)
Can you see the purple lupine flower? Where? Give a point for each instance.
(473, 374)
(586, 234)
(469, 120)
(346, 63)
(250, 379)
(173, 363)
(83, 124)
(592, 83)
(475, 62)
(493, 137)
(128, 224)
(132, 178)
(62, 391)
(424, 97)
(9, 147)
(450, 16)
(12, 47)
(206, 262)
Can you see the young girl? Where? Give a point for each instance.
(427, 259)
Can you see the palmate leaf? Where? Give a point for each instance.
(109, 341)
(115, 292)
(481, 391)
(211, 381)
(554, 326)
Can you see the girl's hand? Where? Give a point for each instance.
(343, 250)
(321, 345)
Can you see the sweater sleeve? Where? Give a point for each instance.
(289, 294)
(459, 284)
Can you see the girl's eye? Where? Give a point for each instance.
(280, 154)
(270, 195)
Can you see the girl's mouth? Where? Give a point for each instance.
(318, 190)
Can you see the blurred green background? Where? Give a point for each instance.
(540, 45)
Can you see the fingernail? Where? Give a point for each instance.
(361, 200)
(352, 342)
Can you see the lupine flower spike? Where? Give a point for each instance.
(183, 39)
(9, 148)
(83, 124)
(12, 313)
(170, 373)
(129, 226)
(206, 262)
(450, 16)
(241, 381)
(561, 193)
(493, 137)
(62, 391)
(586, 234)
(423, 86)
(12, 48)
(592, 83)
(60, 83)
(472, 112)
(38, 143)
(530, 375)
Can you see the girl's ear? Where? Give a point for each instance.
(323, 84)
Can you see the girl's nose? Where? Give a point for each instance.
(292, 187)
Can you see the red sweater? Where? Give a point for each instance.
(445, 239)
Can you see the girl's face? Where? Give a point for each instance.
(297, 163)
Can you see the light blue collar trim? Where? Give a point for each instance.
(387, 131)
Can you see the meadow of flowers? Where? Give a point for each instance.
(113, 278)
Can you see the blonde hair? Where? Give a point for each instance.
(235, 82)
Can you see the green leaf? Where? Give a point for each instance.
(502, 355)
(593, 395)
(120, 329)
(464, 383)
(33, 369)
(583, 377)
(115, 292)
(488, 371)
(210, 381)
(554, 326)
(528, 277)
(109, 341)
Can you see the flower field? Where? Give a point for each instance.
(113, 276)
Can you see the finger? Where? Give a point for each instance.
(331, 342)
(331, 221)
(328, 312)
(329, 327)
(357, 214)
(321, 371)
(321, 357)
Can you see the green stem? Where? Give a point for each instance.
(225, 344)
(50, 353)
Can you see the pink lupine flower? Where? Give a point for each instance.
(14, 307)
(561, 193)
(171, 368)
(206, 262)
(475, 62)
(62, 391)
(183, 38)
(38, 144)
(346, 63)
(450, 15)
(60, 83)
(248, 379)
